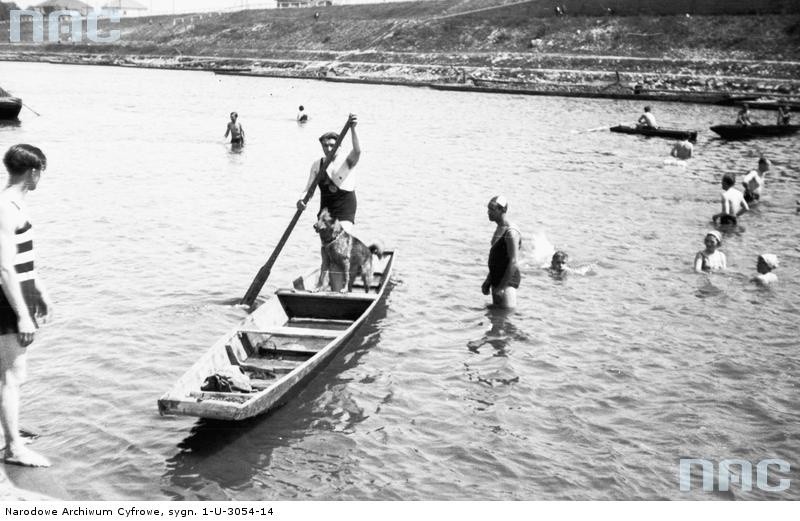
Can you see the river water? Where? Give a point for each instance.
(149, 227)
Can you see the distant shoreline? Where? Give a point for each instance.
(477, 80)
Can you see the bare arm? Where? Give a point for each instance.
(698, 262)
(227, 130)
(312, 176)
(744, 207)
(8, 275)
(355, 154)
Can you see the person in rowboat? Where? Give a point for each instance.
(743, 118)
(647, 120)
(682, 149)
(504, 276)
(235, 130)
(784, 118)
(338, 186)
(23, 299)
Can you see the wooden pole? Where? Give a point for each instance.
(263, 274)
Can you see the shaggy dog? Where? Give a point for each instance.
(343, 256)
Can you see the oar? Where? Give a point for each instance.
(590, 130)
(263, 274)
(27, 107)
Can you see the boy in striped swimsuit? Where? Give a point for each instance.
(23, 299)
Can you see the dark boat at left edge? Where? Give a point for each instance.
(9, 105)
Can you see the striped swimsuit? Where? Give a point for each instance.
(23, 264)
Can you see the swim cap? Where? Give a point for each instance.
(716, 235)
(770, 260)
(499, 201)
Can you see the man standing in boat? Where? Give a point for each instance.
(647, 120)
(23, 299)
(504, 275)
(235, 130)
(338, 184)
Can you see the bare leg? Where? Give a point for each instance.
(12, 375)
(506, 299)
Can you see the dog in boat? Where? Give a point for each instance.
(344, 258)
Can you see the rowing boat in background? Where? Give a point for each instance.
(671, 133)
(751, 131)
(266, 359)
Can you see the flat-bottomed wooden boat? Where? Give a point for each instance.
(278, 348)
(671, 133)
(751, 131)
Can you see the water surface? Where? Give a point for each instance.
(149, 227)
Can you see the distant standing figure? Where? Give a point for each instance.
(504, 275)
(316, 16)
(647, 119)
(733, 203)
(682, 149)
(711, 258)
(23, 299)
(766, 263)
(743, 118)
(337, 186)
(784, 117)
(753, 182)
(302, 117)
(235, 130)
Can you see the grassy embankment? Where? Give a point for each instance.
(735, 46)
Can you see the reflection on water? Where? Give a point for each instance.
(502, 334)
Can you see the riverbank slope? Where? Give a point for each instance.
(601, 48)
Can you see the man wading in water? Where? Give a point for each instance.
(23, 298)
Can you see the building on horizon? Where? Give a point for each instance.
(303, 3)
(48, 6)
(123, 8)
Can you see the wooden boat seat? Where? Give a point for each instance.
(294, 331)
(326, 305)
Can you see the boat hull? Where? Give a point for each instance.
(10, 107)
(669, 133)
(753, 131)
(278, 348)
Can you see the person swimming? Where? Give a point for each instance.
(302, 117)
(559, 265)
(766, 263)
(711, 258)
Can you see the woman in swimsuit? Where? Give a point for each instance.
(504, 276)
(710, 259)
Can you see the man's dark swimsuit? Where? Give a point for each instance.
(341, 204)
(498, 263)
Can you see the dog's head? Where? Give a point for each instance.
(326, 226)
